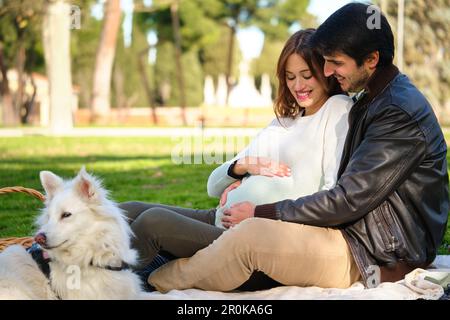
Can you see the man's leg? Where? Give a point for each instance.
(292, 254)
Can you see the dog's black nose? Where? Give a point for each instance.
(40, 238)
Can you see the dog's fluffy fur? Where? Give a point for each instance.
(85, 232)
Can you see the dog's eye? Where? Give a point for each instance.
(65, 215)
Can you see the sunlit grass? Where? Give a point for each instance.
(131, 168)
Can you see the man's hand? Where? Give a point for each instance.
(223, 197)
(237, 213)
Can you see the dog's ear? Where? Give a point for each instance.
(83, 171)
(51, 183)
(85, 185)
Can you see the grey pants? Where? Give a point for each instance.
(179, 232)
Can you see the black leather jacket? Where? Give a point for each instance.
(391, 199)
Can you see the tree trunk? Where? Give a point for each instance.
(104, 60)
(56, 40)
(29, 104)
(231, 43)
(180, 74)
(9, 116)
(20, 66)
(148, 90)
(118, 88)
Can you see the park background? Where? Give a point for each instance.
(118, 85)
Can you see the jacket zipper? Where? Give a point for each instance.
(393, 239)
(386, 234)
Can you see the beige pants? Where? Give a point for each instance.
(290, 253)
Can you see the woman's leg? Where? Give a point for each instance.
(292, 254)
(133, 209)
(180, 234)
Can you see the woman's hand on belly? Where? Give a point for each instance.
(223, 197)
(262, 166)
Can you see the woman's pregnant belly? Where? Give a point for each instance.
(259, 190)
(262, 190)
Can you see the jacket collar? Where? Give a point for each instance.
(378, 82)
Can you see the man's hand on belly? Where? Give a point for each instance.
(237, 213)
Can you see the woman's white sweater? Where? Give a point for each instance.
(311, 146)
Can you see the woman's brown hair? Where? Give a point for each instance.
(285, 104)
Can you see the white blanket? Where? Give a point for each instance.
(413, 286)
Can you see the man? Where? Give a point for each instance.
(387, 213)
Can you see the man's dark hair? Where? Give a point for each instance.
(349, 30)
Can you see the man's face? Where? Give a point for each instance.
(351, 77)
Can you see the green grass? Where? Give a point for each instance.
(131, 168)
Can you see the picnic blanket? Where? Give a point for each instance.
(413, 286)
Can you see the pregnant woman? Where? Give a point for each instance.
(297, 154)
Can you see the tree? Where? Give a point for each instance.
(56, 39)
(166, 80)
(132, 74)
(20, 35)
(193, 78)
(214, 58)
(142, 58)
(165, 72)
(272, 16)
(277, 17)
(84, 43)
(105, 58)
(266, 63)
(181, 34)
(206, 29)
(427, 49)
(174, 5)
(9, 115)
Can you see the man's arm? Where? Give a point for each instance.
(392, 148)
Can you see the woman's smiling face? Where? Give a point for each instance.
(304, 87)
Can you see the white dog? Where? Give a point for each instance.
(88, 241)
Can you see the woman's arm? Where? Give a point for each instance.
(334, 139)
(219, 180)
(252, 160)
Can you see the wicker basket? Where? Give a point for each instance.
(24, 241)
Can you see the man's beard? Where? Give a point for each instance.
(358, 83)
